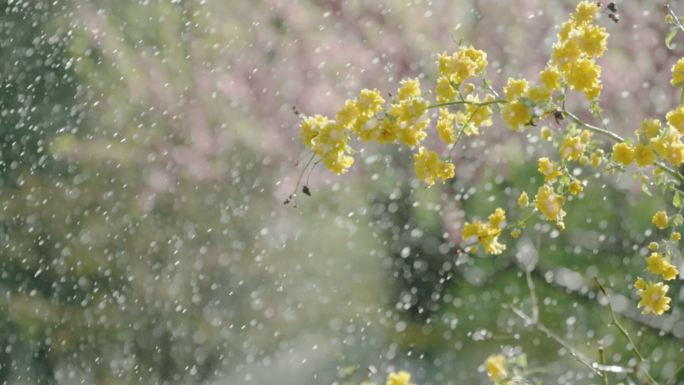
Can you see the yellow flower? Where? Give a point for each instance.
(523, 200)
(623, 153)
(583, 75)
(445, 125)
(670, 146)
(660, 219)
(653, 246)
(429, 167)
(650, 127)
(592, 40)
(370, 101)
(348, 114)
(410, 88)
(658, 265)
(515, 233)
(496, 367)
(654, 298)
(676, 236)
(585, 12)
(644, 155)
(678, 73)
(548, 169)
(676, 118)
(640, 284)
(515, 88)
(516, 115)
(572, 148)
(487, 234)
(545, 133)
(410, 120)
(400, 378)
(550, 78)
(338, 162)
(444, 91)
(474, 116)
(550, 204)
(575, 187)
(465, 63)
(565, 53)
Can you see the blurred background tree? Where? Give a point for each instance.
(147, 146)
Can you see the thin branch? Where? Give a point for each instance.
(624, 332)
(460, 102)
(595, 367)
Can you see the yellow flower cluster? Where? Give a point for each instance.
(516, 113)
(655, 141)
(429, 167)
(487, 234)
(653, 295)
(549, 169)
(678, 73)
(659, 266)
(454, 69)
(496, 367)
(396, 378)
(400, 378)
(579, 43)
(550, 204)
(328, 139)
(573, 147)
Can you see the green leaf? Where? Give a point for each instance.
(678, 220)
(677, 200)
(670, 36)
(645, 189)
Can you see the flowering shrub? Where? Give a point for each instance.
(462, 104)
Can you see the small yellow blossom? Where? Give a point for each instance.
(515, 233)
(515, 88)
(653, 246)
(669, 146)
(678, 73)
(487, 234)
(654, 298)
(496, 367)
(650, 128)
(444, 91)
(585, 12)
(548, 169)
(623, 153)
(584, 75)
(464, 63)
(429, 167)
(516, 115)
(658, 265)
(676, 118)
(640, 284)
(592, 40)
(572, 148)
(549, 204)
(399, 378)
(575, 187)
(550, 78)
(445, 126)
(546, 133)
(644, 155)
(409, 88)
(660, 219)
(596, 158)
(523, 200)
(676, 236)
